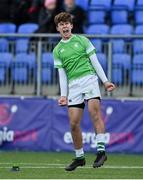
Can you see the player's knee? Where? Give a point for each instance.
(94, 115)
(74, 126)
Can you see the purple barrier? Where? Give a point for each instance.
(40, 124)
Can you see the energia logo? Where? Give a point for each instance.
(110, 138)
(88, 138)
(6, 135)
(6, 113)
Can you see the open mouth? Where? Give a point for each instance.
(65, 31)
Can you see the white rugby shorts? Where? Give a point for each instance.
(84, 88)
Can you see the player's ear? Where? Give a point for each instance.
(57, 28)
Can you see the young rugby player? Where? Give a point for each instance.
(78, 67)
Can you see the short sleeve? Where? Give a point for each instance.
(90, 49)
(57, 60)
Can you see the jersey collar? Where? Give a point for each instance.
(66, 41)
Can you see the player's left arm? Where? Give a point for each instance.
(90, 50)
(109, 86)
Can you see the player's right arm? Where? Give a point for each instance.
(63, 87)
(62, 79)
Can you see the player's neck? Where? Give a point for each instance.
(67, 38)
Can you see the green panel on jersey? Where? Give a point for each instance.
(73, 56)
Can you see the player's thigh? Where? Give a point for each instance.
(75, 115)
(94, 108)
(93, 104)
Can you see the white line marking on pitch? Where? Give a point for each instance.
(50, 166)
(34, 164)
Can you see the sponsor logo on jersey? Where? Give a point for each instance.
(62, 50)
(76, 45)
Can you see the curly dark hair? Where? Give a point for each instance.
(64, 17)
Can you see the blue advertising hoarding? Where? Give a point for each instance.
(41, 125)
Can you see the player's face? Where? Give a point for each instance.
(65, 29)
